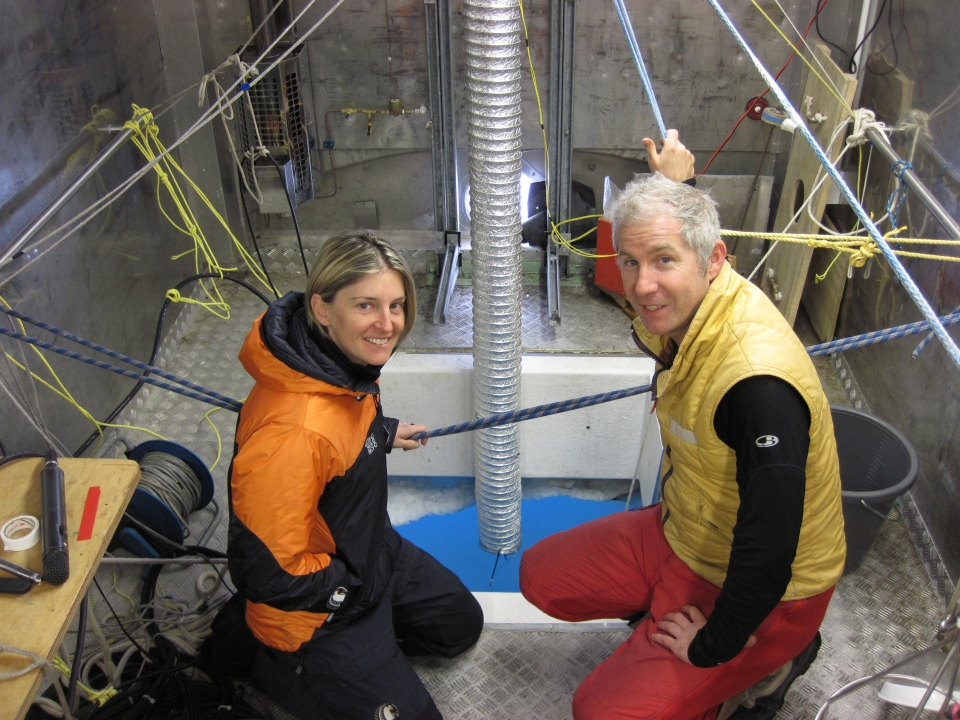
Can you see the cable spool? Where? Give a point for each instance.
(174, 483)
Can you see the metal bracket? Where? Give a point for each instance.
(553, 270)
(448, 277)
(562, 26)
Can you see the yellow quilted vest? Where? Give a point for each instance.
(736, 333)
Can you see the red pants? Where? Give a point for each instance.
(619, 565)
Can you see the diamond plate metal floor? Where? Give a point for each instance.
(882, 611)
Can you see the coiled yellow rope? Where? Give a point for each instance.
(146, 136)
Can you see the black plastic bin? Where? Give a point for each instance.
(877, 465)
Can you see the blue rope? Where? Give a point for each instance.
(508, 418)
(899, 193)
(949, 346)
(226, 403)
(515, 416)
(114, 354)
(638, 59)
(878, 336)
(926, 341)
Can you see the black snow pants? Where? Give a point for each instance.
(361, 670)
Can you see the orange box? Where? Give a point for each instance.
(607, 275)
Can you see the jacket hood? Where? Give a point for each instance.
(284, 353)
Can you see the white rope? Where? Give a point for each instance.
(85, 216)
(863, 120)
(173, 482)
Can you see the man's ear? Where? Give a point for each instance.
(320, 309)
(715, 261)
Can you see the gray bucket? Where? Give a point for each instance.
(877, 465)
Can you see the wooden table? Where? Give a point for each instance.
(38, 620)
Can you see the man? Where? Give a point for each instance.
(737, 565)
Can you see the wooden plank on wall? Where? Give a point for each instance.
(890, 96)
(821, 299)
(787, 267)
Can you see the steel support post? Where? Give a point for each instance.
(913, 182)
(560, 141)
(446, 197)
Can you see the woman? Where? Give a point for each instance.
(335, 597)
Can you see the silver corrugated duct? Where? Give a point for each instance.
(492, 39)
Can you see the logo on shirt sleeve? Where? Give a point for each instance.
(766, 441)
(370, 445)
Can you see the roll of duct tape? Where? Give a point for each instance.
(13, 542)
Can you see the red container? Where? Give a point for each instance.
(607, 275)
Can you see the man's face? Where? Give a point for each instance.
(661, 276)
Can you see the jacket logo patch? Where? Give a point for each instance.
(336, 600)
(370, 445)
(387, 712)
(767, 441)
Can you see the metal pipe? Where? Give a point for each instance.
(881, 143)
(908, 283)
(61, 199)
(492, 41)
(269, 24)
(638, 59)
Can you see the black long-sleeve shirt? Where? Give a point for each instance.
(766, 422)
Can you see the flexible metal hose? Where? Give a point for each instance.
(492, 34)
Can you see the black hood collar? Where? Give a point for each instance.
(297, 345)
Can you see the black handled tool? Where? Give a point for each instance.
(24, 580)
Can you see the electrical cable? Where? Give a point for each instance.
(3, 451)
(143, 651)
(78, 654)
(776, 77)
(158, 337)
(870, 31)
(293, 212)
(891, 44)
(851, 63)
(20, 456)
(253, 236)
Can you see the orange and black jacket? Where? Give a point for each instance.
(310, 540)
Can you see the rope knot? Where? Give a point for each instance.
(863, 120)
(860, 255)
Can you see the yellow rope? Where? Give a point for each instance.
(98, 696)
(842, 239)
(206, 416)
(146, 136)
(843, 103)
(62, 392)
(860, 249)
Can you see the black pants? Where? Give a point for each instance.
(361, 670)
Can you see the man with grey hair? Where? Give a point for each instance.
(736, 566)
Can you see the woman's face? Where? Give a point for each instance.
(365, 319)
